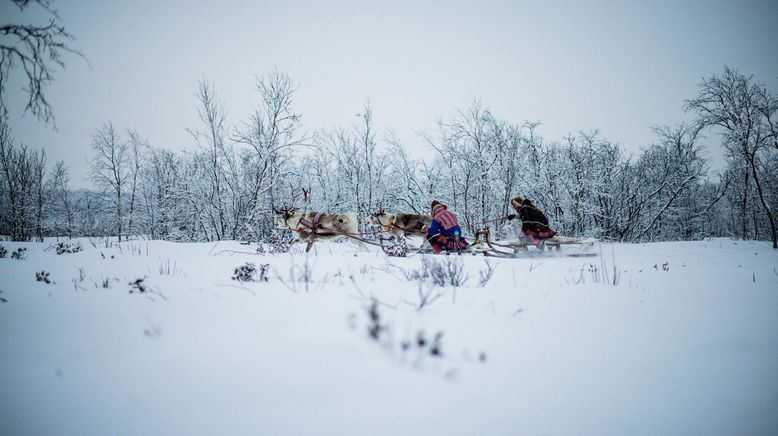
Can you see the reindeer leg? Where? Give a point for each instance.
(310, 244)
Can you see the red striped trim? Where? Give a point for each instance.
(446, 219)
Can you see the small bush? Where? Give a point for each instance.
(377, 330)
(374, 326)
(484, 275)
(438, 274)
(68, 247)
(450, 272)
(395, 247)
(166, 269)
(279, 247)
(138, 285)
(19, 254)
(432, 347)
(3, 252)
(43, 276)
(249, 272)
(436, 349)
(420, 274)
(455, 273)
(276, 243)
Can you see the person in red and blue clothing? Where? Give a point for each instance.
(444, 232)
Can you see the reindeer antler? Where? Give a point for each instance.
(294, 194)
(306, 196)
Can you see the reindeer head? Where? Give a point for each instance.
(284, 215)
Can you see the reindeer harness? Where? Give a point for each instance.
(311, 225)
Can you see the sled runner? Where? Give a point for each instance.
(519, 246)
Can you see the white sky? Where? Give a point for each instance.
(618, 67)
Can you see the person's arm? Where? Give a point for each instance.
(434, 228)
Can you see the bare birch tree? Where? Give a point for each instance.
(110, 167)
(136, 149)
(270, 133)
(60, 181)
(746, 112)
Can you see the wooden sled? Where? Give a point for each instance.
(519, 246)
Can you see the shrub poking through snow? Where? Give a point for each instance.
(279, 247)
(138, 285)
(374, 326)
(3, 252)
(414, 348)
(276, 244)
(450, 272)
(19, 254)
(425, 346)
(249, 272)
(395, 247)
(437, 273)
(455, 273)
(245, 272)
(484, 275)
(165, 268)
(264, 271)
(43, 276)
(376, 330)
(68, 247)
(435, 346)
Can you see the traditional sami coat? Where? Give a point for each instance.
(444, 232)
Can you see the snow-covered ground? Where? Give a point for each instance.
(685, 342)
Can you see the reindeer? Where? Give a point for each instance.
(309, 226)
(400, 224)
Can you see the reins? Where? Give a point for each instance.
(314, 227)
(492, 220)
(393, 226)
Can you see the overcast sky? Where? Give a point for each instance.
(573, 65)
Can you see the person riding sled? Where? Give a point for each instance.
(444, 233)
(534, 223)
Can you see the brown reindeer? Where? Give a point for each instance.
(400, 224)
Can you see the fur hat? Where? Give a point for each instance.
(516, 202)
(437, 206)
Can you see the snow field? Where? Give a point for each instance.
(685, 342)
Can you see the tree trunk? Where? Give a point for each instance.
(119, 212)
(765, 206)
(744, 207)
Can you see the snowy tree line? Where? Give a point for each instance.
(227, 184)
